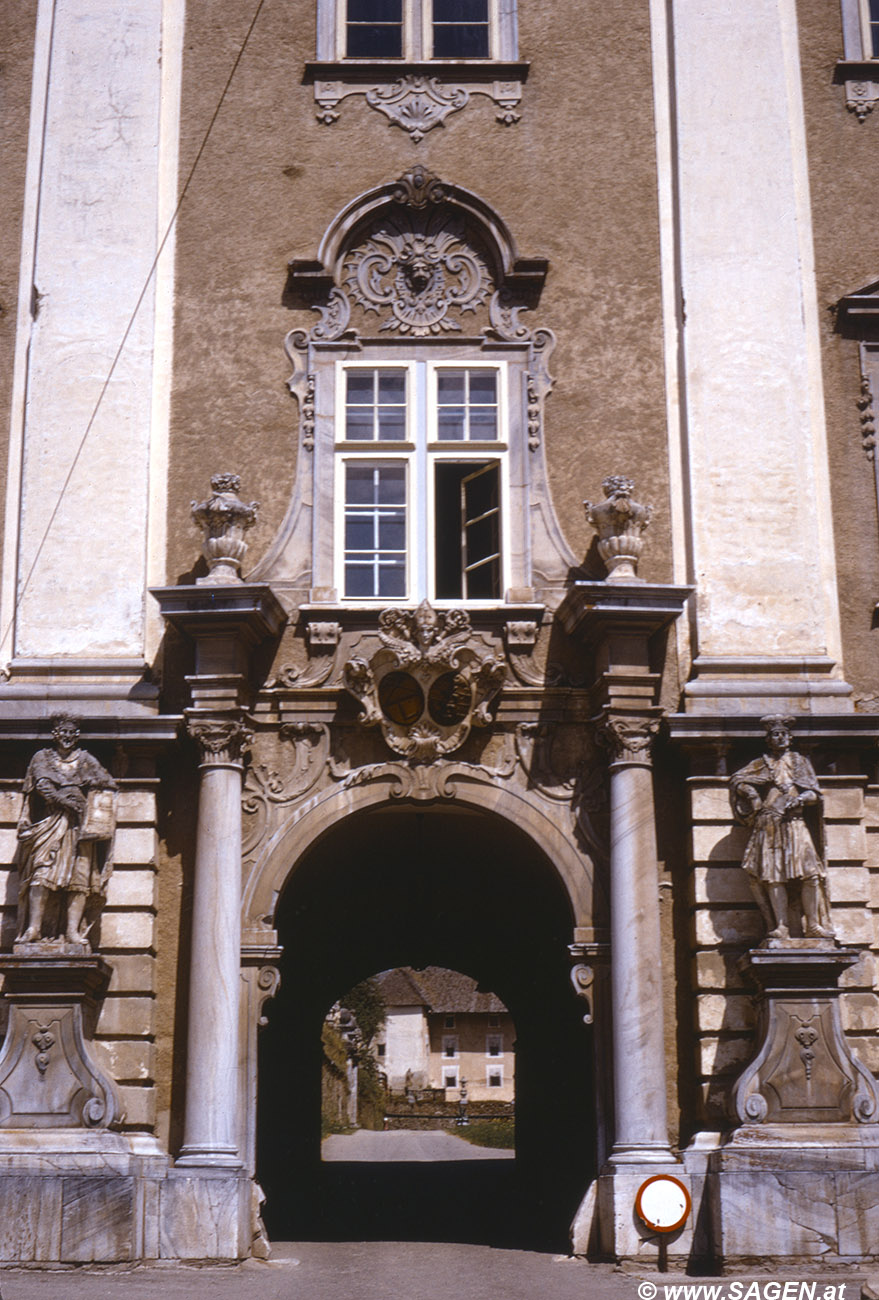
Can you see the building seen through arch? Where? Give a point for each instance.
(440, 532)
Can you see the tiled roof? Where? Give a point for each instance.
(437, 989)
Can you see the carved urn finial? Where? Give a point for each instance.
(619, 522)
(225, 519)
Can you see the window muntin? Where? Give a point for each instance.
(442, 501)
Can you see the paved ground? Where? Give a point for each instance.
(405, 1146)
(405, 1271)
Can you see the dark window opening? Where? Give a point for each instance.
(874, 29)
(374, 29)
(468, 536)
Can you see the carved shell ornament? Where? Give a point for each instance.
(420, 266)
(425, 687)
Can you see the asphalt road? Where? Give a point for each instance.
(403, 1145)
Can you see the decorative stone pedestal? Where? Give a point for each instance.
(800, 1178)
(48, 1078)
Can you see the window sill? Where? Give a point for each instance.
(416, 97)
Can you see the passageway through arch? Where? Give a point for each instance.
(431, 886)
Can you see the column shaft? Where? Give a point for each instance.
(210, 1131)
(638, 1045)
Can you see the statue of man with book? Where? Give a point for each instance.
(65, 842)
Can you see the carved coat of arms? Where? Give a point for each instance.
(426, 686)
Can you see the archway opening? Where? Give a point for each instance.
(415, 887)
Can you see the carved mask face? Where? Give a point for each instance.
(418, 272)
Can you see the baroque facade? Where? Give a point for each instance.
(420, 278)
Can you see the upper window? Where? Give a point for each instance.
(417, 30)
(870, 28)
(421, 480)
(860, 29)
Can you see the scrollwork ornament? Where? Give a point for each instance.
(583, 978)
(268, 981)
(417, 104)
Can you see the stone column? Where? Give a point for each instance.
(641, 1121)
(212, 1124)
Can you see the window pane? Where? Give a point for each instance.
(392, 485)
(358, 424)
(450, 422)
(392, 386)
(460, 11)
(361, 384)
(359, 485)
(460, 41)
(372, 41)
(359, 533)
(358, 580)
(483, 423)
(392, 579)
(450, 386)
(392, 423)
(392, 531)
(375, 11)
(483, 387)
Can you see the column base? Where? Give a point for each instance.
(209, 1157)
(642, 1153)
(615, 1229)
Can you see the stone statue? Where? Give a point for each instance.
(619, 521)
(771, 797)
(65, 838)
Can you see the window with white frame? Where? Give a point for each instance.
(421, 480)
(450, 1078)
(869, 16)
(858, 69)
(419, 30)
(494, 1076)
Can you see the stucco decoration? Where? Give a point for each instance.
(426, 688)
(225, 519)
(65, 845)
(619, 522)
(417, 103)
(415, 270)
(772, 797)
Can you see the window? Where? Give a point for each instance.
(494, 1021)
(494, 1076)
(494, 1045)
(450, 1047)
(382, 1049)
(417, 30)
(421, 478)
(450, 1078)
(449, 1022)
(860, 29)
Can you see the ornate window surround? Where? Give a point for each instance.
(857, 317)
(416, 93)
(470, 305)
(858, 70)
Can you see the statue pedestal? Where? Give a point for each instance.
(48, 1078)
(799, 1178)
(804, 1071)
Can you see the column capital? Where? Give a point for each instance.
(628, 736)
(222, 741)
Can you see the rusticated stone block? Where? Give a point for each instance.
(128, 1062)
(721, 885)
(97, 1220)
(843, 802)
(717, 970)
(857, 1210)
(127, 930)
(127, 1017)
(710, 803)
(134, 845)
(853, 925)
(136, 806)
(132, 972)
(859, 1011)
(132, 888)
(719, 843)
(716, 925)
(138, 1105)
(724, 1055)
(716, 1011)
(846, 842)
(848, 884)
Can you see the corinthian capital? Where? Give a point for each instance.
(628, 737)
(220, 740)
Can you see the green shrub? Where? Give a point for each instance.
(490, 1133)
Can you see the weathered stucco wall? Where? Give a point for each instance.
(842, 171)
(15, 89)
(272, 177)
